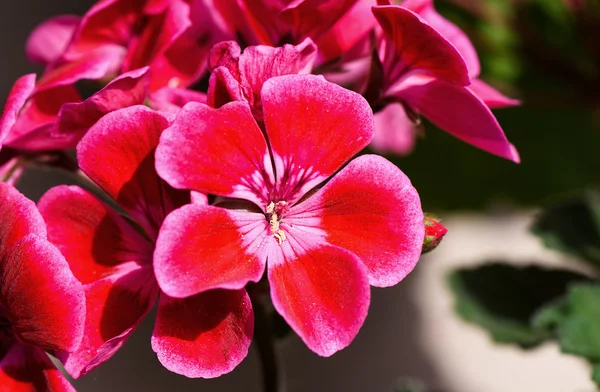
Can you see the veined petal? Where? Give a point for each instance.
(426, 10)
(459, 112)
(20, 217)
(17, 97)
(493, 98)
(314, 127)
(94, 239)
(371, 209)
(75, 118)
(42, 299)
(117, 153)
(201, 247)
(419, 47)
(115, 306)
(322, 291)
(206, 335)
(48, 41)
(217, 151)
(394, 130)
(28, 369)
(259, 63)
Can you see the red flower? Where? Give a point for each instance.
(425, 72)
(201, 336)
(322, 249)
(42, 304)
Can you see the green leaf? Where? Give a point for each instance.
(504, 299)
(572, 226)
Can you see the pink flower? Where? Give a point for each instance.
(116, 36)
(42, 304)
(201, 336)
(422, 72)
(323, 247)
(238, 76)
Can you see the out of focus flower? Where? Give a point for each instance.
(201, 336)
(42, 304)
(427, 69)
(322, 247)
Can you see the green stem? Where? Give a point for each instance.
(263, 337)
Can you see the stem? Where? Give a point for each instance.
(263, 337)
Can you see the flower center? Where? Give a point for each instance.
(274, 212)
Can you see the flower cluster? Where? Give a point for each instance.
(216, 145)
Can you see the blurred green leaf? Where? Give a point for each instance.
(572, 226)
(503, 299)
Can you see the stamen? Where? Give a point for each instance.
(272, 209)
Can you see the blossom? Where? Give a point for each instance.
(323, 247)
(201, 336)
(42, 304)
(422, 72)
(116, 36)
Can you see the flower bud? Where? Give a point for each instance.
(434, 232)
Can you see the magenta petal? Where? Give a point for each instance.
(323, 293)
(426, 10)
(234, 159)
(20, 217)
(115, 306)
(28, 369)
(311, 18)
(206, 335)
(17, 97)
(314, 127)
(394, 130)
(490, 96)
(171, 100)
(459, 112)
(94, 239)
(48, 41)
(75, 118)
(202, 247)
(419, 47)
(117, 153)
(371, 209)
(223, 88)
(259, 63)
(41, 297)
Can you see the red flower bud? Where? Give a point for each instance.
(434, 232)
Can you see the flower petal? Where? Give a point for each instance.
(314, 127)
(322, 292)
(371, 209)
(75, 118)
(20, 217)
(42, 299)
(490, 96)
(311, 18)
(117, 153)
(419, 47)
(206, 335)
(115, 306)
(17, 97)
(93, 238)
(459, 112)
(48, 41)
(394, 130)
(28, 369)
(201, 247)
(462, 43)
(234, 159)
(171, 100)
(259, 63)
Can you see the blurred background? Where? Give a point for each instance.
(543, 52)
